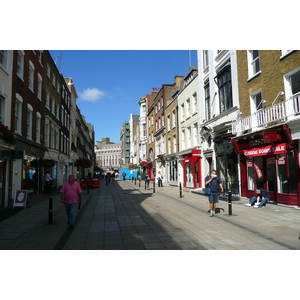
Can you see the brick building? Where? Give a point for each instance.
(267, 131)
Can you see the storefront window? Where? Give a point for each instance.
(292, 172)
(189, 175)
(282, 174)
(250, 175)
(271, 173)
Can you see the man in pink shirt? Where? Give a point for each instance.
(70, 195)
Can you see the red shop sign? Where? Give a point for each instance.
(271, 149)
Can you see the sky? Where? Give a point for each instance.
(110, 83)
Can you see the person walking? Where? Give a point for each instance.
(124, 176)
(159, 179)
(147, 181)
(70, 195)
(214, 182)
(48, 182)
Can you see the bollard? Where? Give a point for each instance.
(153, 186)
(229, 203)
(145, 184)
(180, 190)
(50, 209)
(134, 181)
(88, 188)
(139, 182)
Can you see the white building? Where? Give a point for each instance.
(218, 93)
(189, 167)
(143, 129)
(108, 154)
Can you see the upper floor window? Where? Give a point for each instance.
(205, 59)
(225, 89)
(253, 62)
(39, 87)
(207, 102)
(31, 76)
(3, 59)
(18, 114)
(195, 102)
(20, 64)
(29, 121)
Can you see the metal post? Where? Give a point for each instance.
(134, 181)
(154, 186)
(88, 188)
(145, 184)
(229, 203)
(139, 182)
(50, 209)
(180, 190)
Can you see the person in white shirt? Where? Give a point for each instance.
(48, 181)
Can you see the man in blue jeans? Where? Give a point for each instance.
(214, 183)
(262, 197)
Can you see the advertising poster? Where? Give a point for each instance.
(21, 198)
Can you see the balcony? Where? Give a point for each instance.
(276, 114)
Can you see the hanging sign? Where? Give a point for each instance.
(21, 198)
(270, 149)
(258, 170)
(281, 161)
(271, 161)
(249, 163)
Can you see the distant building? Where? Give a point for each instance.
(107, 154)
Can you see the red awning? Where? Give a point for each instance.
(144, 163)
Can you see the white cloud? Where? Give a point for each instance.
(92, 95)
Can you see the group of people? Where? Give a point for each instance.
(70, 193)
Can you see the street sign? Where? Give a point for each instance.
(17, 154)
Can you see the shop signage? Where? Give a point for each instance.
(258, 170)
(271, 136)
(281, 161)
(21, 198)
(267, 150)
(271, 161)
(249, 163)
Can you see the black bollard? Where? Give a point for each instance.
(153, 186)
(50, 209)
(180, 190)
(134, 181)
(229, 203)
(139, 182)
(145, 184)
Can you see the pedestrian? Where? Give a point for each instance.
(48, 182)
(107, 178)
(262, 197)
(159, 179)
(214, 182)
(70, 195)
(124, 176)
(147, 181)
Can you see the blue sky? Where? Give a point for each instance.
(110, 83)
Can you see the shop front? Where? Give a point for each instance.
(270, 159)
(191, 163)
(172, 170)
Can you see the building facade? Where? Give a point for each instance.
(266, 135)
(219, 100)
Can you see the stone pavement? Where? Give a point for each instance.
(124, 216)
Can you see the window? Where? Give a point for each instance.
(253, 63)
(295, 82)
(205, 59)
(195, 102)
(225, 90)
(188, 106)
(47, 134)
(38, 128)
(257, 100)
(3, 58)
(182, 112)
(31, 76)
(196, 134)
(173, 119)
(48, 71)
(18, 114)
(207, 102)
(144, 130)
(20, 64)
(29, 121)
(168, 123)
(39, 87)
(189, 135)
(183, 139)
(174, 144)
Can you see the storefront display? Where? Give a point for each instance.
(270, 160)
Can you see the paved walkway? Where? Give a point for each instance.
(125, 216)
